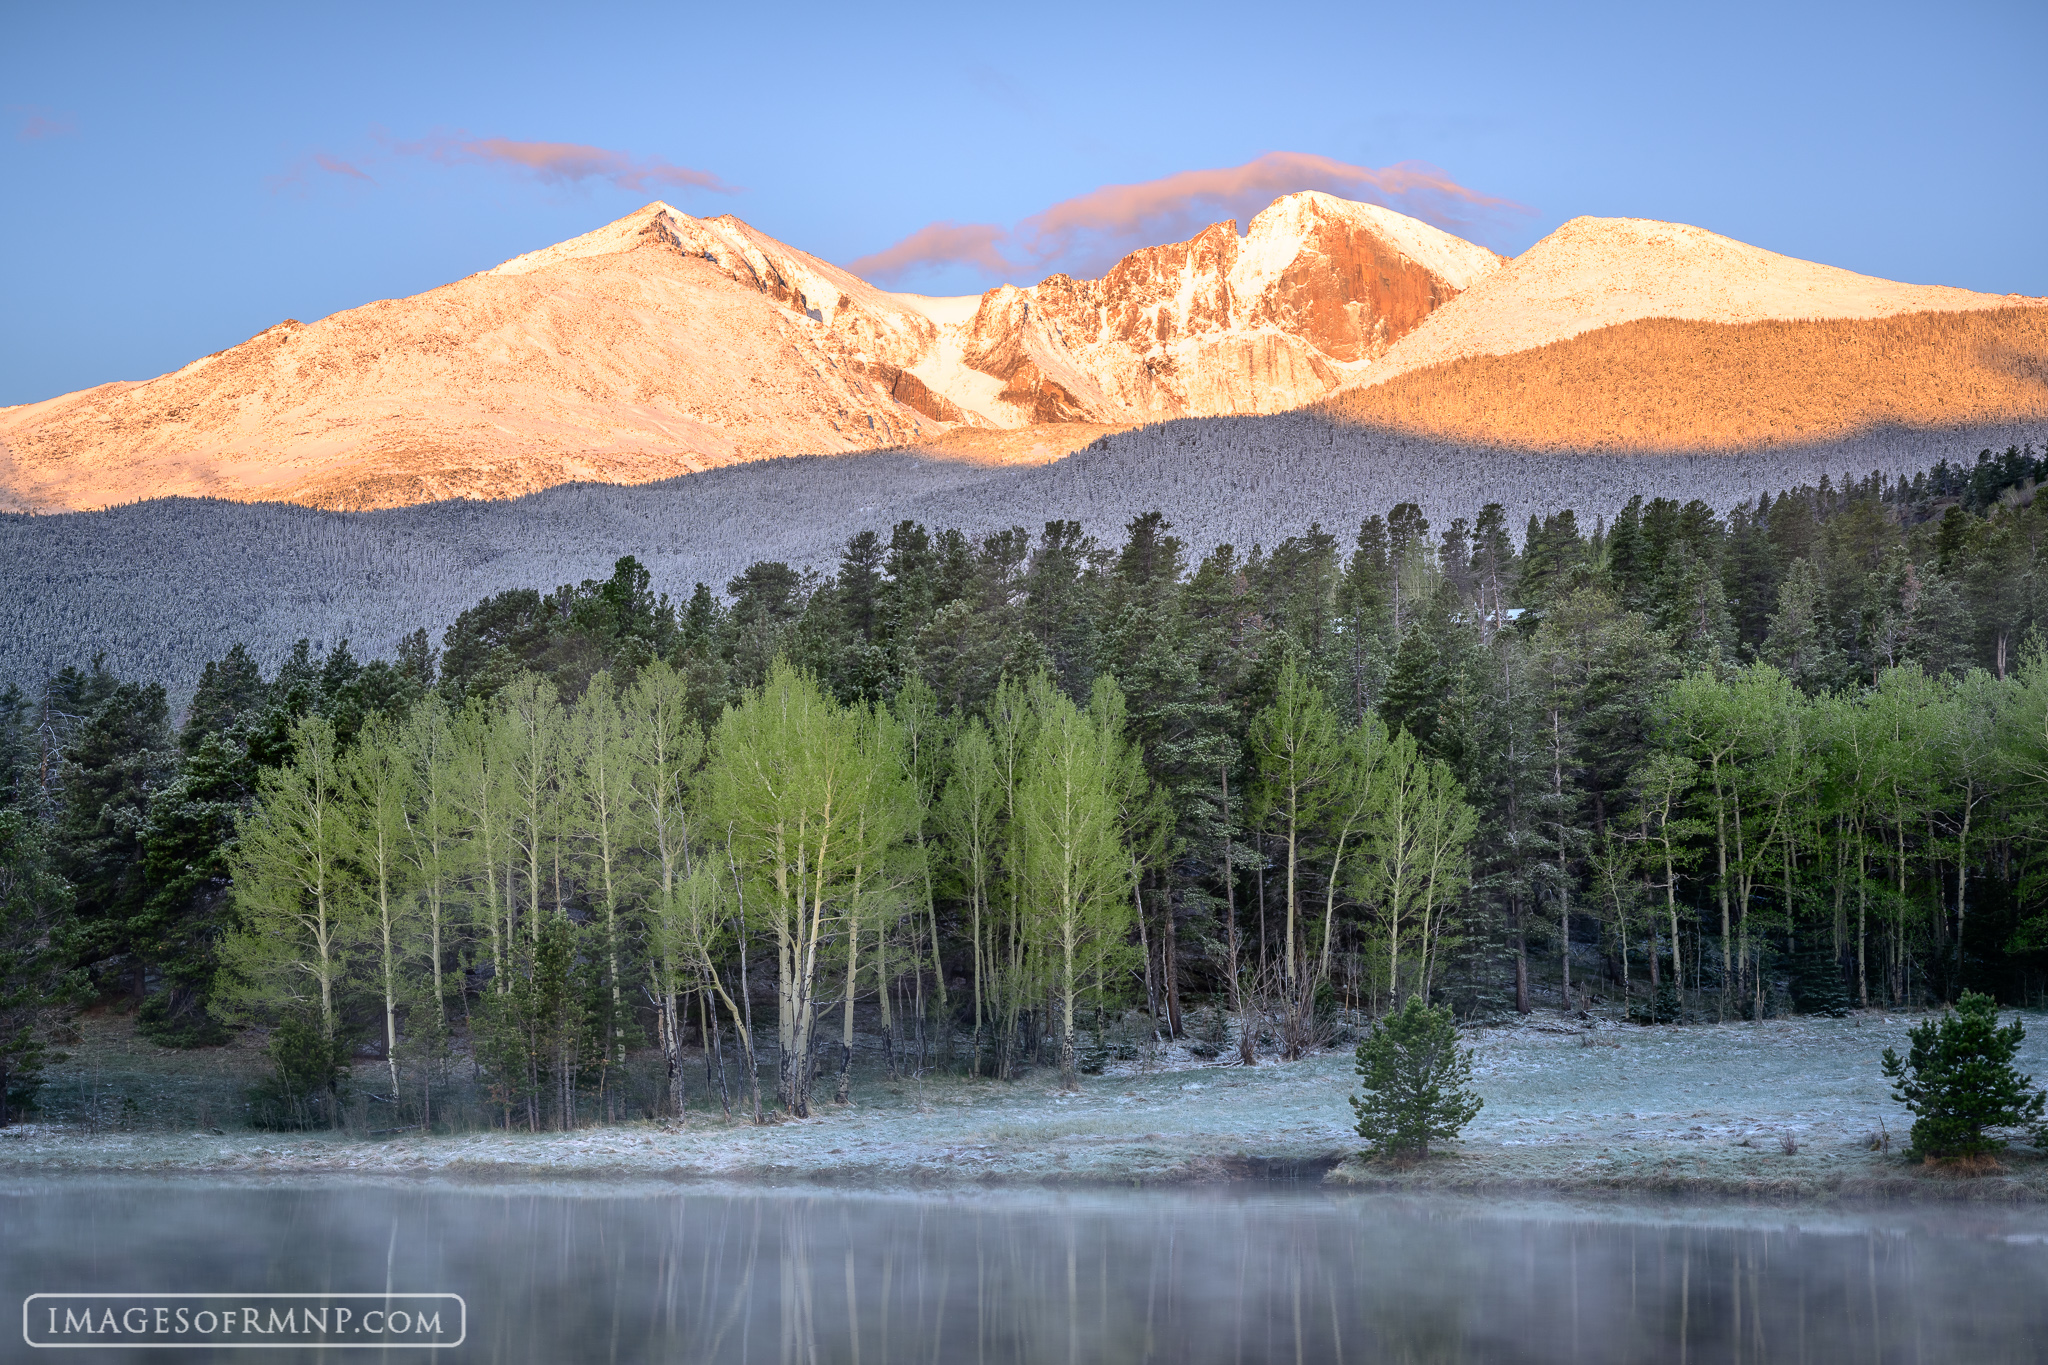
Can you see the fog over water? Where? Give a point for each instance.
(557, 1273)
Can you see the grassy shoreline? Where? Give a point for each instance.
(1787, 1110)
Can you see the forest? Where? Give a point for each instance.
(981, 802)
(156, 586)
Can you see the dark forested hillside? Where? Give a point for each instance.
(155, 587)
(997, 789)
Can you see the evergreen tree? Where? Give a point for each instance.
(36, 979)
(1415, 1080)
(1959, 1080)
(120, 758)
(230, 697)
(188, 849)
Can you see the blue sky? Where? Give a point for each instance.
(181, 177)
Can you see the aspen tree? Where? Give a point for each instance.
(1301, 760)
(783, 772)
(434, 830)
(480, 794)
(1078, 868)
(1664, 781)
(601, 809)
(377, 788)
(1445, 826)
(879, 791)
(969, 816)
(1354, 801)
(663, 748)
(1392, 878)
(1012, 728)
(1967, 754)
(530, 734)
(300, 906)
(916, 714)
(1699, 720)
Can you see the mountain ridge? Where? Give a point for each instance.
(661, 344)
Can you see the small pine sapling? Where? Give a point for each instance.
(1818, 986)
(1958, 1079)
(1415, 1078)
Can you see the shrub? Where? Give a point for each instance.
(304, 1087)
(177, 1018)
(1663, 1007)
(1818, 986)
(1958, 1080)
(1414, 1076)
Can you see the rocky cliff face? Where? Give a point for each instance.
(662, 344)
(1318, 289)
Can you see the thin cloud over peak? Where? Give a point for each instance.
(1089, 232)
(551, 163)
(939, 244)
(562, 163)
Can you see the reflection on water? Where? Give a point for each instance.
(645, 1273)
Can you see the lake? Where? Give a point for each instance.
(648, 1272)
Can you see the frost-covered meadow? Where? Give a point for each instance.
(1786, 1108)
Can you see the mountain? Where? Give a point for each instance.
(1312, 295)
(658, 345)
(1602, 272)
(1663, 385)
(664, 344)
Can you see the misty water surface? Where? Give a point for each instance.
(657, 1273)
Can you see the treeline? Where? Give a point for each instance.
(160, 586)
(994, 791)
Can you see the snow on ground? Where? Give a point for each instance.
(955, 309)
(1597, 272)
(1569, 1106)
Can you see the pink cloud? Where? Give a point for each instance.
(334, 165)
(1166, 203)
(42, 123)
(939, 244)
(1090, 231)
(563, 162)
(295, 178)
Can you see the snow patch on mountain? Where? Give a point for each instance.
(1597, 272)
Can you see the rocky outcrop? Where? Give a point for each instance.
(1317, 289)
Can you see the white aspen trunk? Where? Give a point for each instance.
(1330, 907)
(1862, 929)
(846, 1020)
(1721, 854)
(1963, 866)
(1293, 801)
(390, 966)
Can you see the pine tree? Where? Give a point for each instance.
(36, 953)
(1415, 1078)
(1817, 984)
(1958, 1079)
